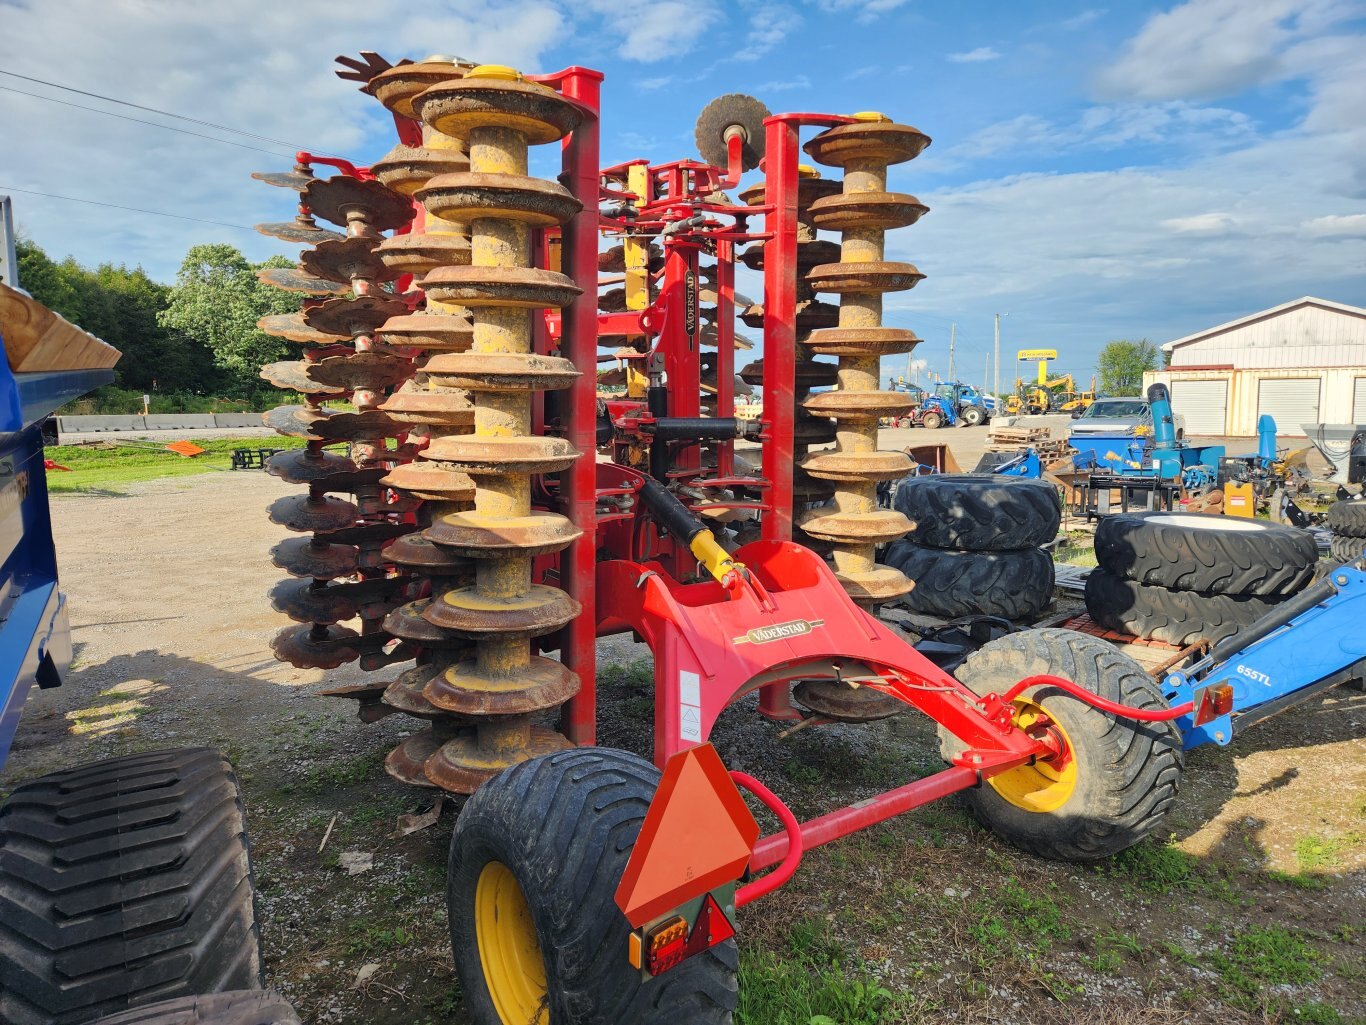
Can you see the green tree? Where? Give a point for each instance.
(217, 301)
(1122, 365)
(121, 306)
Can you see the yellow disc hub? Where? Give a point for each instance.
(1040, 787)
(509, 952)
(500, 71)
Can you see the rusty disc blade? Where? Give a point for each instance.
(284, 179)
(306, 601)
(367, 534)
(843, 703)
(346, 259)
(292, 279)
(315, 646)
(352, 426)
(299, 230)
(340, 199)
(291, 375)
(309, 513)
(305, 465)
(374, 370)
(292, 327)
(296, 421)
(308, 557)
(405, 762)
(462, 767)
(352, 317)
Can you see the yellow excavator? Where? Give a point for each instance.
(1047, 394)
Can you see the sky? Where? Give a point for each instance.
(1144, 170)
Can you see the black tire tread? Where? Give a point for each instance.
(1159, 613)
(1268, 560)
(1346, 549)
(569, 821)
(240, 1007)
(1134, 768)
(1014, 585)
(122, 883)
(979, 512)
(1347, 519)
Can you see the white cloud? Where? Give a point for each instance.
(268, 69)
(1082, 20)
(783, 85)
(1337, 226)
(651, 30)
(864, 11)
(1104, 128)
(977, 56)
(1207, 48)
(1201, 224)
(769, 25)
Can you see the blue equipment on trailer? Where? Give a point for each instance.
(35, 637)
(1308, 644)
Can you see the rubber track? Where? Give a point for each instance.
(1346, 549)
(1347, 518)
(1130, 787)
(242, 1007)
(1177, 617)
(122, 883)
(573, 818)
(1015, 585)
(979, 512)
(1269, 560)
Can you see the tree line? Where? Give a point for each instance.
(192, 346)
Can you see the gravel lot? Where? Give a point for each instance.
(1254, 911)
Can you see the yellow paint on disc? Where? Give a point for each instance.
(1038, 787)
(501, 71)
(509, 952)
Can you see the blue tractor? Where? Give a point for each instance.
(968, 403)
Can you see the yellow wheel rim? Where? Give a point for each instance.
(1039, 787)
(509, 952)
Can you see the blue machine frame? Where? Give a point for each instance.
(35, 636)
(1307, 645)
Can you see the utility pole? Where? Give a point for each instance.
(998, 352)
(953, 331)
(9, 261)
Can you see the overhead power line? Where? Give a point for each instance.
(154, 110)
(138, 120)
(116, 206)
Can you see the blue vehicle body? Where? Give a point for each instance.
(35, 637)
(1308, 644)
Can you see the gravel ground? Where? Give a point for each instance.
(1254, 911)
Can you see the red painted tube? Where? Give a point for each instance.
(793, 834)
(1096, 701)
(578, 563)
(773, 849)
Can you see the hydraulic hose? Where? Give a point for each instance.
(678, 520)
(1096, 701)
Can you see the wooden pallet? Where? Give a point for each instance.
(1018, 435)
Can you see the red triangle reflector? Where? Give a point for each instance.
(698, 834)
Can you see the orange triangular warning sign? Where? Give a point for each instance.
(697, 835)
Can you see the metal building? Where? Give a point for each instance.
(1303, 362)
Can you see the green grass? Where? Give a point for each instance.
(1266, 956)
(106, 466)
(1323, 853)
(809, 984)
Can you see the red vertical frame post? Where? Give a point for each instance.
(725, 349)
(780, 321)
(579, 343)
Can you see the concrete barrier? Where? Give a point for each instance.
(179, 421)
(237, 420)
(157, 422)
(95, 424)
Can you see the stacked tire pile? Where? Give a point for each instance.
(975, 548)
(1189, 577)
(1347, 521)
